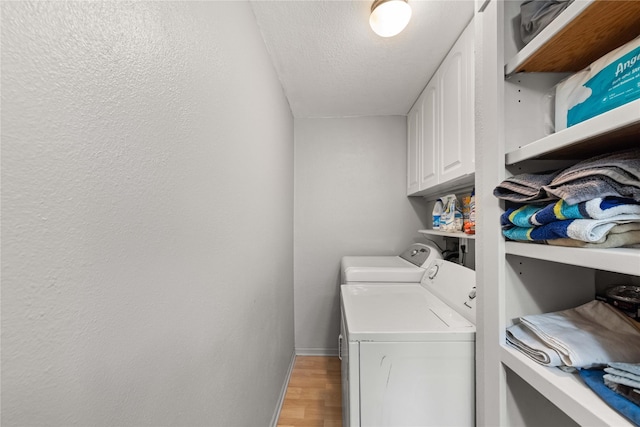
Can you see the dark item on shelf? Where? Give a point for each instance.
(626, 391)
(625, 298)
(593, 379)
(535, 15)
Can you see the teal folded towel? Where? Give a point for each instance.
(586, 230)
(598, 208)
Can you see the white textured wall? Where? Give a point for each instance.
(350, 199)
(147, 156)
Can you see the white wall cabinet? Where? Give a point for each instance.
(441, 125)
(430, 142)
(517, 279)
(455, 101)
(414, 138)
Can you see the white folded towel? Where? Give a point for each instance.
(591, 335)
(632, 368)
(594, 230)
(528, 343)
(624, 373)
(619, 235)
(622, 380)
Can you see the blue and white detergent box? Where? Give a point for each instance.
(608, 83)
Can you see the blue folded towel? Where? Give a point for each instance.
(599, 208)
(586, 230)
(594, 379)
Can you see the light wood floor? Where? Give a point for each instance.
(314, 394)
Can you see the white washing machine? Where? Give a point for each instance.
(408, 350)
(408, 267)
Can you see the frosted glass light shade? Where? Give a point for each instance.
(389, 17)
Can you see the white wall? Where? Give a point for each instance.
(350, 199)
(147, 216)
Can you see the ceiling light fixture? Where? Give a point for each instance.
(389, 17)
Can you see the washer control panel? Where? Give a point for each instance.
(417, 254)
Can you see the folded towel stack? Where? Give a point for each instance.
(600, 222)
(616, 175)
(591, 335)
(593, 204)
(624, 379)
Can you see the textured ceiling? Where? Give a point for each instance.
(331, 64)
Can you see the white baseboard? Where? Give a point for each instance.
(283, 392)
(316, 352)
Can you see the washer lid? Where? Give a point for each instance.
(379, 269)
(400, 312)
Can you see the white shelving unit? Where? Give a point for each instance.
(516, 279)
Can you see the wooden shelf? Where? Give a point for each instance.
(457, 234)
(585, 31)
(617, 260)
(608, 132)
(567, 391)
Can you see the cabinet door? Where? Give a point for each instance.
(429, 144)
(456, 109)
(413, 141)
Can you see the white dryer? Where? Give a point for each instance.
(408, 350)
(408, 267)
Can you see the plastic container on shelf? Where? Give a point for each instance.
(436, 214)
(451, 218)
(608, 83)
(470, 226)
(625, 298)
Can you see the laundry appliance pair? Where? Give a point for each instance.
(407, 341)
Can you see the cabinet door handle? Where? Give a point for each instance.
(340, 346)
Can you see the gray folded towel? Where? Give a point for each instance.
(591, 187)
(616, 174)
(626, 160)
(535, 15)
(525, 187)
